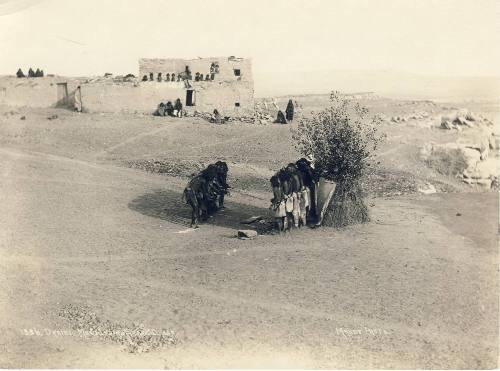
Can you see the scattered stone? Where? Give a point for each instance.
(245, 234)
(53, 117)
(484, 183)
(427, 189)
(251, 219)
(135, 338)
(445, 124)
(23, 117)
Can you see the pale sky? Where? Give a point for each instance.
(287, 40)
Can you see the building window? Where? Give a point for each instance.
(237, 104)
(237, 72)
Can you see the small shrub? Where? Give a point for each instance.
(447, 162)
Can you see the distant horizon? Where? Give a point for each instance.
(381, 82)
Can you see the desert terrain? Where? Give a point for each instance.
(94, 239)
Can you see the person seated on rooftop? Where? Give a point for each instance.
(159, 78)
(20, 73)
(188, 73)
(31, 73)
(207, 77)
(167, 77)
(145, 78)
(178, 78)
(216, 69)
(197, 76)
(151, 77)
(173, 77)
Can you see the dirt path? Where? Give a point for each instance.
(412, 288)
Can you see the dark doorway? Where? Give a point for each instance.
(189, 97)
(62, 94)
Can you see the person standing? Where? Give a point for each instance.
(289, 111)
(178, 108)
(78, 99)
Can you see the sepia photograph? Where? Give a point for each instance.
(249, 184)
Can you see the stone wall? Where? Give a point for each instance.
(129, 96)
(34, 92)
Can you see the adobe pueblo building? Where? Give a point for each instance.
(226, 85)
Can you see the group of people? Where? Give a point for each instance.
(169, 109)
(186, 75)
(205, 192)
(31, 73)
(160, 78)
(288, 116)
(295, 196)
(214, 69)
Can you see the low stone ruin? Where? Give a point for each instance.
(413, 116)
(478, 146)
(462, 119)
(260, 117)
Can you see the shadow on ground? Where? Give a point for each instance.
(168, 205)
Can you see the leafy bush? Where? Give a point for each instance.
(341, 141)
(338, 139)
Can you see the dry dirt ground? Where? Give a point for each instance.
(92, 243)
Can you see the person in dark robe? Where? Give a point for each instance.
(280, 118)
(207, 77)
(37, 72)
(160, 110)
(167, 77)
(188, 73)
(159, 78)
(310, 179)
(169, 109)
(20, 73)
(197, 76)
(145, 78)
(151, 77)
(173, 77)
(216, 118)
(197, 195)
(178, 108)
(31, 73)
(178, 78)
(222, 169)
(289, 111)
